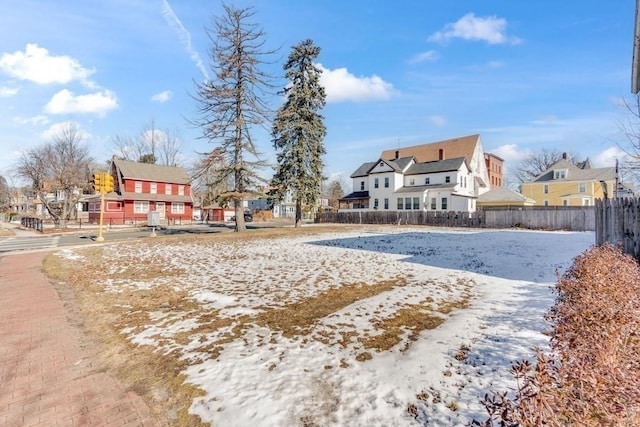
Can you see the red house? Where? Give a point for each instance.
(140, 188)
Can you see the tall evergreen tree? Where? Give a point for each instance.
(298, 129)
(230, 104)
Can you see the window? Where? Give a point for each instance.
(444, 203)
(426, 181)
(386, 204)
(546, 189)
(375, 203)
(177, 208)
(412, 181)
(582, 187)
(138, 188)
(546, 203)
(586, 202)
(181, 190)
(407, 203)
(465, 182)
(559, 174)
(433, 203)
(447, 179)
(361, 185)
(153, 187)
(140, 207)
(565, 202)
(416, 203)
(376, 183)
(400, 203)
(167, 189)
(386, 182)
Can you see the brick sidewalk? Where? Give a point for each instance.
(48, 376)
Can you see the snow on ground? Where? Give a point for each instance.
(324, 374)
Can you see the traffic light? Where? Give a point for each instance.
(108, 183)
(98, 183)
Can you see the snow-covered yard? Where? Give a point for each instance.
(377, 326)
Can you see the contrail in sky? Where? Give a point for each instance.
(184, 35)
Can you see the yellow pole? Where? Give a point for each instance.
(100, 238)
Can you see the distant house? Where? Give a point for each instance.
(503, 197)
(141, 188)
(568, 184)
(441, 176)
(494, 169)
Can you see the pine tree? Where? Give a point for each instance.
(298, 130)
(230, 104)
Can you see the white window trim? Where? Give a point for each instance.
(138, 187)
(140, 206)
(177, 207)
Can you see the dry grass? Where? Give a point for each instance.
(156, 376)
(299, 318)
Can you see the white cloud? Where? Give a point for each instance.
(40, 119)
(162, 97)
(607, 158)
(340, 86)
(6, 92)
(490, 29)
(65, 102)
(57, 129)
(35, 64)
(437, 120)
(430, 55)
(511, 153)
(184, 36)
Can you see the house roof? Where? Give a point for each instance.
(151, 172)
(364, 169)
(356, 195)
(503, 195)
(574, 173)
(456, 147)
(436, 166)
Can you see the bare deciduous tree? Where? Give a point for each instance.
(59, 172)
(334, 192)
(205, 186)
(538, 162)
(232, 103)
(152, 145)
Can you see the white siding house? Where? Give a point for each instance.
(404, 184)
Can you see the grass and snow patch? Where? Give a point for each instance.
(366, 326)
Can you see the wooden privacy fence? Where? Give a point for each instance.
(537, 218)
(618, 222)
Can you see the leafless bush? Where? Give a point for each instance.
(592, 375)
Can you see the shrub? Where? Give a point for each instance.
(592, 375)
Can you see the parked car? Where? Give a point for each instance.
(248, 217)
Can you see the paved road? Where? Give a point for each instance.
(10, 244)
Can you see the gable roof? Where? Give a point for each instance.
(574, 173)
(364, 169)
(456, 147)
(503, 195)
(436, 166)
(150, 172)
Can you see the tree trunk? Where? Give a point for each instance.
(298, 212)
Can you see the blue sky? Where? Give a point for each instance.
(524, 75)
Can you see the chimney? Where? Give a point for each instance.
(564, 156)
(397, 154)
(441, 154)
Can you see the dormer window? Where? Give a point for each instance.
(560, 174)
